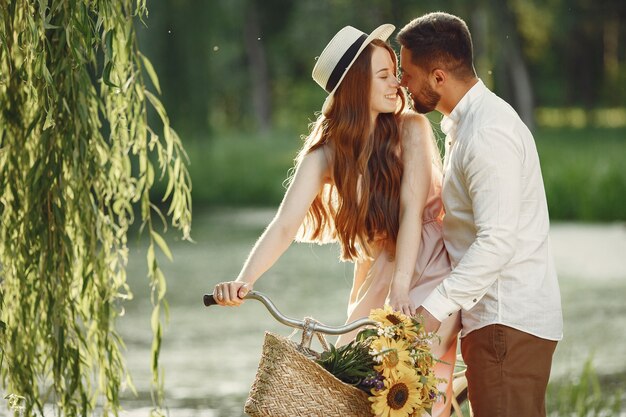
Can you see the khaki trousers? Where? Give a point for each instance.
(507, 371)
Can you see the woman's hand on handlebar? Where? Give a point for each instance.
(231, 293)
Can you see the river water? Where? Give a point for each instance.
(210, 354)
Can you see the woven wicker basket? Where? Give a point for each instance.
(288, 384)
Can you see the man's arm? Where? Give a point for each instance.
(492, 168)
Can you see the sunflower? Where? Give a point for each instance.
(399, 398)
(409, 331)
(422, 357)
(393, 357)
(429, 391)
(403, 325)
(387, 317)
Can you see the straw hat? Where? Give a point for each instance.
(339, 55)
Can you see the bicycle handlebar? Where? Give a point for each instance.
(209, 300)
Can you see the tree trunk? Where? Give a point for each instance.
(521, 85)
(513, 65)
(257, 65)
(480, 35)
(611, 49)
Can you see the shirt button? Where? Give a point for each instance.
(474, 300)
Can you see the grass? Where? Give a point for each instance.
(238, 170)
(584, 171)
(586, 395)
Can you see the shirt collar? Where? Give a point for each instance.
(448, 123)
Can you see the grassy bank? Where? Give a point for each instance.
(586, 395)
(584, 171)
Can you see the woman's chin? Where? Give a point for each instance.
(387, 110)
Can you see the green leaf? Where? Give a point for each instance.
(158, 106)
(162, 245)
(108, 45)
(160, 284)
(151, 258)
(106, 74)
(155, 322)
(47, 25)
(151, 73)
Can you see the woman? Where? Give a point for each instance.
(368, 177)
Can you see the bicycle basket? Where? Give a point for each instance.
(288, 384)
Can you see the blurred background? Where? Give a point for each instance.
(236, 81)
(235, 78)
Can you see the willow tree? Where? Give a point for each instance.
(77, 162)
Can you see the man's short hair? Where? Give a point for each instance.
(439, 40)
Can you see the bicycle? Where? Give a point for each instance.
(311, 327)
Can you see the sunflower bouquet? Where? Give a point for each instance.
(392, 362)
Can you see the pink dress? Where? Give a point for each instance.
(431, 268)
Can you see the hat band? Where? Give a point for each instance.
(343, 63)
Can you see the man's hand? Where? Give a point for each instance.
(431, 324)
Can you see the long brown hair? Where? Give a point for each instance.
(362, 204)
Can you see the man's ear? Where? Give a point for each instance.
(439, 76)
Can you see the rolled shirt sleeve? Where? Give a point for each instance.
(490, 167)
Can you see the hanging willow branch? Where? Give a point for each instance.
(77, 161)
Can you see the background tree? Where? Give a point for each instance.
(245, 65)
(511, 70)
(77, 162)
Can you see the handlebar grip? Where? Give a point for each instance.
(209, 300)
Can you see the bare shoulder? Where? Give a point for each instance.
(318, 160)
(415, 129)
(411, 118)
(322, 155)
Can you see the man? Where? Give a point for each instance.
(496, 225)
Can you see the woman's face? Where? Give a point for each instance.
(384, 87)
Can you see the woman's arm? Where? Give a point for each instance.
(361, 268)
(309, 177)
(417, 154)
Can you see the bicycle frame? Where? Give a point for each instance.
(315, 326)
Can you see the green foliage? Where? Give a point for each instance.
(583, 171)
(77, 163)
(573, 50)
(349, 363)
(583, 397)
(236, 170)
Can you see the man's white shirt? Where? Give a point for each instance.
(496, 224)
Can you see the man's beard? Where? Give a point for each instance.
(428, 100)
